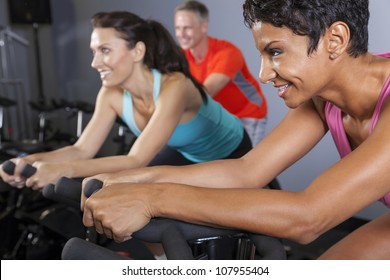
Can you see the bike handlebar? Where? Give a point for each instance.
(9, 168)
(27, 171)
(174, 234)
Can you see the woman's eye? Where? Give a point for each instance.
(275, 52)
(105, 50)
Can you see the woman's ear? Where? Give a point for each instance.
(139, 51)
(338, 36)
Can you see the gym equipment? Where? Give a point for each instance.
(17, 129)
(9, 168)
(32, 12)
(13, 87)
(76, 107)
(43, 110)
(29, 11)
(34, 227)
(180, 240)
(125, 138)
(191, 241)
(4, 103)
(27, 171)
(48, 139)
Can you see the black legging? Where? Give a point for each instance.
(169, 156)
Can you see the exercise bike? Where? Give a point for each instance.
(181, 240)
(32, 226)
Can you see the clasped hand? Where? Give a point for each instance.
(117, 211)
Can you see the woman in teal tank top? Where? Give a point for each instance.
(145, 81)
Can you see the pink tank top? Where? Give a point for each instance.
(334, 120)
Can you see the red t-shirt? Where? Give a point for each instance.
(242, 96)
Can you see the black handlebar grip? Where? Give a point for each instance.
(66, 191)
(9, 167)
(27, 171)
(175, 245)
(48, 191)
(173, 235)
(92, 186)
(270, 248)
(153, 232)
(69, 189)
(79, 249)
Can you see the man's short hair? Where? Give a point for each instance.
(194, 6)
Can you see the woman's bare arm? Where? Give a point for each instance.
(342, 190)
(281, 148)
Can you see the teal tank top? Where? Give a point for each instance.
(212, 134)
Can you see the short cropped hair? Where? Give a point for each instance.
(196, 7)
(312, 17)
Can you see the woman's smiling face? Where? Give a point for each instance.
(111, 57)
(285, 62)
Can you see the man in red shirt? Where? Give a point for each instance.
(221, 68)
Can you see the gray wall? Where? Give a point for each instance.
(67, 70)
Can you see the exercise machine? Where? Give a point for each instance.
(180, 240)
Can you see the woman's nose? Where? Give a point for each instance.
(267, 73)
(95, 61)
